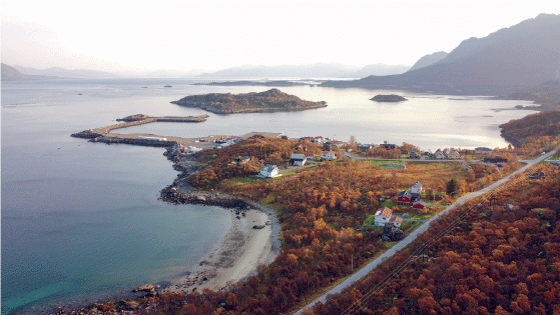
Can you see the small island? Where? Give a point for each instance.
(272, 100)
(388, 98)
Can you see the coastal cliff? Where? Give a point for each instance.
(272, 100)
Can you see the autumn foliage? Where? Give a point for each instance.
(499, 256)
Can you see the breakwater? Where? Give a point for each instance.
(101, 134)
(135, 120)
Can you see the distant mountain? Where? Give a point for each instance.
(523, 55)
(11, 74)
(317, 70)
(65, 73)
(164, 74)
(429, 60)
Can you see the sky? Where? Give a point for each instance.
(120, 36)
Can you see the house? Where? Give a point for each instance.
(454, 155)
(364, 147)
(382, 216)
(539, 175)
(396, 221)
(410, 196)
(269, 171)
(439, 154)
(309, 155)
(419, 205)
(388, 146)
(404, 198)
(416, 190)
(335, 143)
(241, 159)
(495, 161)
(413, 155)
(329, 156)
(298, 159)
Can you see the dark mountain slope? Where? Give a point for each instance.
(429, 60)
(520, 56)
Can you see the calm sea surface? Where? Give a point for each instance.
(81, 221)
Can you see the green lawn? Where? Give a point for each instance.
(388, 203)
(378, 162)
(249, 179)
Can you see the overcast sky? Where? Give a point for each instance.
(211, 35)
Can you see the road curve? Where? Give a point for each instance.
(423, 228)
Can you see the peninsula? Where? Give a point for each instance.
(388, 98)
(272, 100)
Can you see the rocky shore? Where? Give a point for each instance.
(253, 238)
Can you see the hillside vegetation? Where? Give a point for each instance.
(500, 256)
(532, 128)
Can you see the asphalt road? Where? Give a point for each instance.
(423, 228)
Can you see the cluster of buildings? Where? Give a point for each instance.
(296, 159)
(411, 197)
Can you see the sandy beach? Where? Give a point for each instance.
(237, 255)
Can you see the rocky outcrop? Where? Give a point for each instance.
(388, 98)
(86, 134)
(133, 118)
(272, 100)
(392, 233)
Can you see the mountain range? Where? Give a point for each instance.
(526, 54)
(317, 70)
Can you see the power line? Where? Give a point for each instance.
(395, 273)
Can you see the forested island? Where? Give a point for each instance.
(388, 98)
(272, 100)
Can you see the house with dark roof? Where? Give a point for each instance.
(241, 159)
(495, 161)
(411, 195)
(298, 159)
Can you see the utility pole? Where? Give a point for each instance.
(352, 261)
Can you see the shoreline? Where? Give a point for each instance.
(236, 256)
(252, 240)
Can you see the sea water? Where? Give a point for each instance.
(81, 221)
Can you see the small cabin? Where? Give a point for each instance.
(241, 159)
(298, 159)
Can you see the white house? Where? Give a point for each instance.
(298, 159)
(329, 156)
(269, 170)
(454, 155)
(382, 216)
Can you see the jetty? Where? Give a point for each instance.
(135, 120)
(102, 134)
